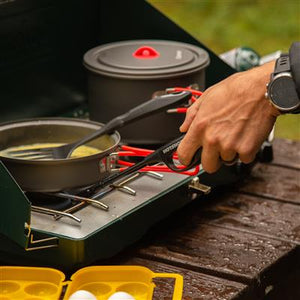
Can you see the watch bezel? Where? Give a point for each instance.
(269, 92)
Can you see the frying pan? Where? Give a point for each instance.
(56, 175)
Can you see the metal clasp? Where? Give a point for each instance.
(199, 187)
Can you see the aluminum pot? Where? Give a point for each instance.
(122, 74)
(59, 174)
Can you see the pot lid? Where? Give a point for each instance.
(142, 59)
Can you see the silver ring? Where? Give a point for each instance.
(230, 162)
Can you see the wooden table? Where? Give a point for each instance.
(242, 243)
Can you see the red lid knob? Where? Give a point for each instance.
(145, 52)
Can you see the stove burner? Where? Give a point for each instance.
(66, 203)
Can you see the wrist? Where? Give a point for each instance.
(263, 74)
(261, 77)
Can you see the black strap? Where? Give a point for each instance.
(294, 54)
(282, 64)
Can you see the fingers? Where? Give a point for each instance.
(211, 154)
(248, 148)
(246, 155)
(188, 146)
(228, 155)
(227, 152)
(190, 116)
(210, 158)
(216, 148)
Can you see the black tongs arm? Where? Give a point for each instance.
(163, 154)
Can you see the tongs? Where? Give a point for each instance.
(163, 154)
(130, 151)
(155, 105)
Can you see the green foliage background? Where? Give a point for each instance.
(264, 25)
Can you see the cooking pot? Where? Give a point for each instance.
(122, 74)
(59, 174)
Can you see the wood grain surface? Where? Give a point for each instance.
(237, 243)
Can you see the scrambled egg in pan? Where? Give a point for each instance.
(78, 152)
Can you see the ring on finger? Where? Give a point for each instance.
(230, 162)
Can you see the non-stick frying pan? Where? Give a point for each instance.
(56, 175)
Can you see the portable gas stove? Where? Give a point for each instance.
(65, 233)
(74, 232)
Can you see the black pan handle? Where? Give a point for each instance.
(155, 105)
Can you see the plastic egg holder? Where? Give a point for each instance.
(30, 283)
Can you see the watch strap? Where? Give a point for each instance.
(282, 64)
(294, 54)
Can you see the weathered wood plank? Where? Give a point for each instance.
(196, 285)
(286, 153)
(218, 251)
(273, 182)
(266, 217)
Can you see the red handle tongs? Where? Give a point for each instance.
(133, 151)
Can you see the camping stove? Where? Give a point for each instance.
(111, 205)
(71, 233)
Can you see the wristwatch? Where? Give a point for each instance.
(281, 90)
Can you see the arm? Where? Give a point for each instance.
(231, 117)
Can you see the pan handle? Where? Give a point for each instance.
(155, 105)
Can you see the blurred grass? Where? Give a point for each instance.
(264, 25)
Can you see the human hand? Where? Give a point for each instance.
(230, 118)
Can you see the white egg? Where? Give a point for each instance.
(82, 295)
(121, 296)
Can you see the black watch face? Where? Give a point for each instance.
(283, 93)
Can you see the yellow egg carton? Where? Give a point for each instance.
(34, 283)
